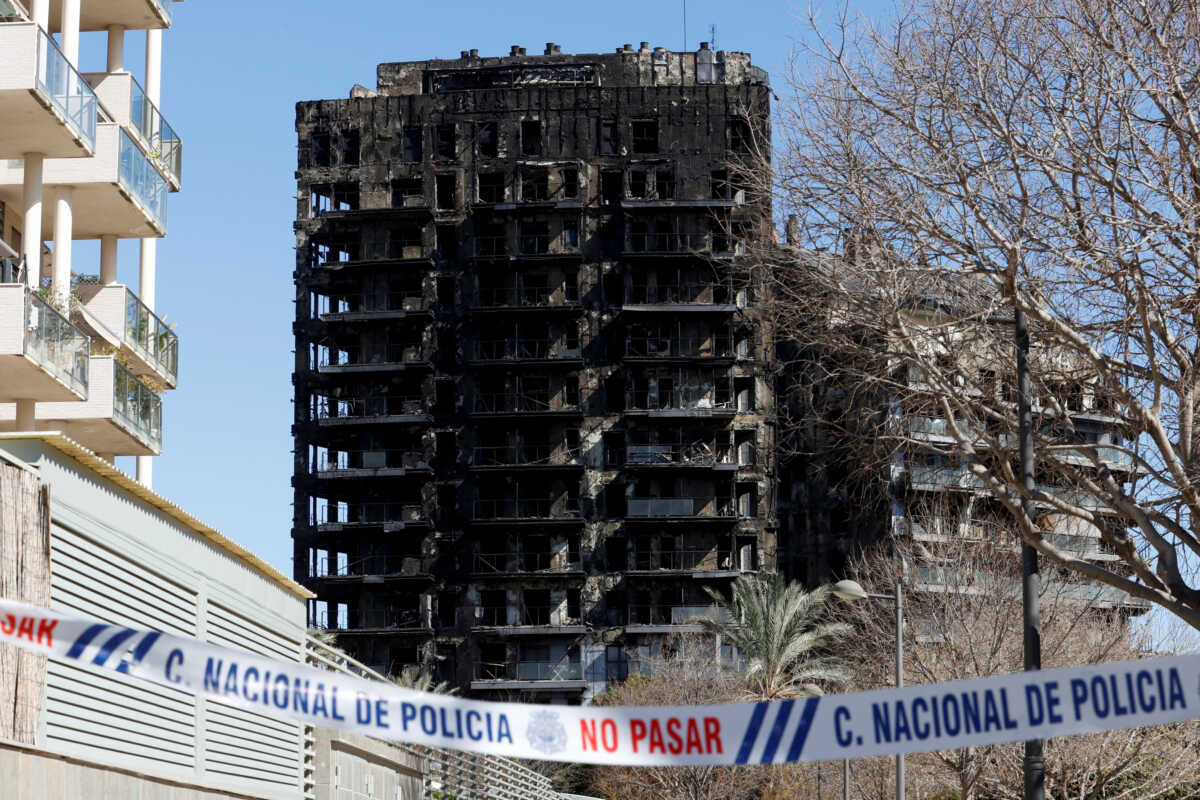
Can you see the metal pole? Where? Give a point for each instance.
(819, 781)
(845, 779)
(899, 680)
(1034, 766)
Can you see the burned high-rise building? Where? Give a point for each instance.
(533, 421)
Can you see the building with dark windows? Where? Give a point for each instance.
(533, 416)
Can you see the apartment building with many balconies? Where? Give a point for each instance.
(532, 417)
(83, 155)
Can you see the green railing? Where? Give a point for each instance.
(150, 337)
(57, 345)
(136, 407)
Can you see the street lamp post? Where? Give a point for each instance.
(851, 590)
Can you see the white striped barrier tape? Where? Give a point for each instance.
(1006, 708)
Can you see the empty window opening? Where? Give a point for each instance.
(645, 136)
(570, 229)
(489, 140)
(444, 144)
(739, 135)
(446, 191)
(407, 192)
(610, 186)
(531, 137)
(445, 401)
(608, 137)
(491, 187)
(446, 286)
(351, 144)
(721, 188)
(406, 237)
(447, 242)
(664, 184)
(535, 185)
(638, 185)
(535, 237)
(411, 144)
(570, 183)
(320, 150)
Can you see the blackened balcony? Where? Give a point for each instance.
(679, 454)
(656, 616)
(681, 507)
(369, 463)
(658, 347)
(516, 562)
(524, 349)
(564, 508)
(340, 516)
(544, 456)
(527, 297)
(512, 403)
(386, 358)
(667, 243)
(349, 307)
(386, 566)
(367, 410)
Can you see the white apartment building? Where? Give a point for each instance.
(83, 155)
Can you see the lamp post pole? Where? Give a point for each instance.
(1034, 765)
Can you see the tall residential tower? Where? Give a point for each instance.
(532, 417)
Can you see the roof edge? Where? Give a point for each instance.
(87, 458)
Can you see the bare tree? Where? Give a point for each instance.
(966, 623)
(976, 155)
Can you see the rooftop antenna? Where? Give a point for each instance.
(685, 25)
(712, 36)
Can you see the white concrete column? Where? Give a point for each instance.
(63, 227)
(26, 415)
(31, 240)
(154, 66)
(108, 259)
(116, 49)
(70, 31)
(146, 272)
(41, 14)
(145, 471)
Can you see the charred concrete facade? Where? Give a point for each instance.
(533, 415)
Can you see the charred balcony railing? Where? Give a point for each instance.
(502, 403)
(669, 242)
(523, 349)
(367, 303)
(369, 513)
(680, 294)
(327, 567)
(680, 507)
(683, 347)
(331, 408)
(388, 355)
(515, 508)
(526, 296)
(521, 561)
(525, 455)
(685, 560)
(677, 615)
(334, 461)
(682, 453)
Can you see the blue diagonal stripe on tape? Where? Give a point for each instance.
(806, 718)
(751, 736)
(84, 640)
(140, 651)
(115, 641)
(781, 720)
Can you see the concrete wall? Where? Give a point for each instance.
(348, 766)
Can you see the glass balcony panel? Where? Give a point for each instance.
(166, 148)
(136, 406)
(143, 182)
(65, 89)
(54, 343)
(150, 337)
(548, 671)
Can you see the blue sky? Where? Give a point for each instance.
(233, 72)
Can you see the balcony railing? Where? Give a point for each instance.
(65, 89)
(491, 616)
(678, 401)
(369, 513)
(390, 619)
(668, 242)
(370, 303)
(677, 615)
(390, 354)
(385, 406)
(142, 181)
(166, 148)
(137, 407)
(693, 347)
(499, 403)
(350, 460)
(549, 671)
(150, 337)
(522, 561)
(691, 453)
(503, 455)
(514, 508)
(55, 344)
(949, 477)
(680, 507)
(679, 294)
(518, 349)
(491, 245)
(526, 296)
(371, 565)
(680, 560)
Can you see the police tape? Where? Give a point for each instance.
(1007, 708)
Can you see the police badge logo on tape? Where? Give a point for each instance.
(546, 734)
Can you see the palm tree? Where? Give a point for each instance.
(776, 626)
